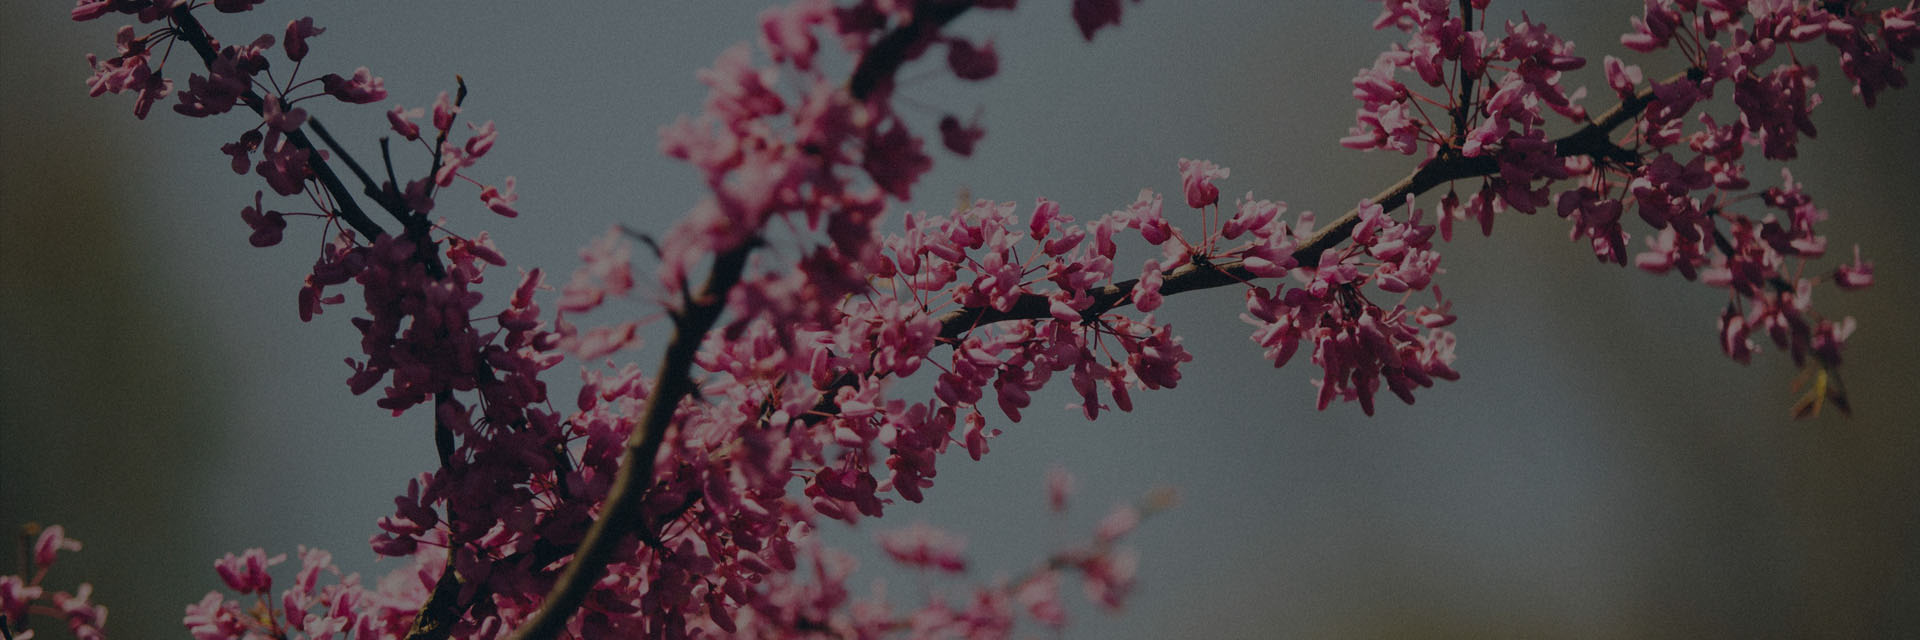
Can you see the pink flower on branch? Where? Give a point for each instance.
(679, 483)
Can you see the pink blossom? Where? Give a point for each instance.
(212, 95)
(1196, 178)
(1041, 596)
(1092, 15)
(241, 150)
(443, 112)
(1117, 524)
(796, 380)
(960, 138)
(1652, 29)
(977, 435)
(16, 595)
(482, 140)
(1060, 486)
(266, 225)
(401, 120)
(1109, 578)
(214, 618)
(280, 119)
(787, 32)
(1855, 276)
(247, 573)
(1733, 336)
(362, 88)
(1146, 293)
(84, 10)
(970, 62)
(739, 91)
(52, 540)
(84, 618)
(1828, 338)
(452, 160)
(296, 41)
(500, 201)
(284, 166)
(894, 160)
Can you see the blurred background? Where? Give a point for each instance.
(1600, 470)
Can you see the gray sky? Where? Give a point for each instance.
(1600, 471)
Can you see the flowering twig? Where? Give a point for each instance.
(188, 28)
(1590, 140)
(618, 518)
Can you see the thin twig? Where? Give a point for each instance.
(433, 174)
(619, 514)
(1462, 110)
(442, 609)
(189, 29)
(389, 201)
(1590, 140)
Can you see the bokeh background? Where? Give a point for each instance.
(1600, 471)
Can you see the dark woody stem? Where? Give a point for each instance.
(1590, 140)
(442, 609)
(188, 28)
(621, 515)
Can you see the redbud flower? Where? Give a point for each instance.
(247, 573)
(786, 34)
(1092, 15)
(84, 10)
(1196, 178)
(52, 540)
(362, 88)
(266, 225)
(894, 160)
(970, 62)
(1146, 293)
(297, 33)
(16, 596)
(1041, 595)
(500, 202)
(960, 138)
(1733, 336)
(1624, 78)
(402, 121)
(1858, 275)
(443, 111)
(1110, 577)
(1059, 488)
(1118, 523)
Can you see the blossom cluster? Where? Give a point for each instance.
(1686, 183)
(777, 406)
(24, 596)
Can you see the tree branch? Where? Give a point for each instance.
(188, 28)
(620, 514)
(876, 68)
(442, 609)
(388, 200)
(1463, 107)
(436, 617)
(1591, 140)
